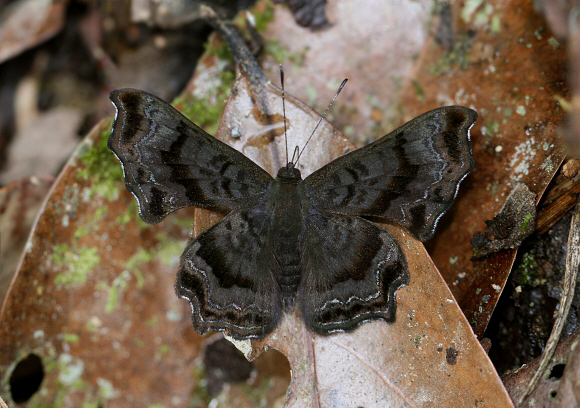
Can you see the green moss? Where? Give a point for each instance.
(200, 394)
(82, 231)
(78, 264)
(182, 222)
(164, 349)
(527, 269)
(283, 55)
(554, 43)
(495, 25)
(456, 57)
(102, 168)
(134, 262)
(206, 112)
(469, 7)
(132, 214)
(222, 51)
(419, 91)
(264, 18)
(526, 222)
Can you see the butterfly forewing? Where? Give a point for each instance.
(409, 177)
(170, 163)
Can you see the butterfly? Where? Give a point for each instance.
(285, 242)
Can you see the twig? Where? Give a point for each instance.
(572, 261)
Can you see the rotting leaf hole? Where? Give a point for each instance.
(557, 371)
(26, 378)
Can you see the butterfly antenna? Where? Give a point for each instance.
(295, 155)
(284, 109)
(322, 117)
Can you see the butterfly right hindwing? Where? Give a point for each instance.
(351, 270)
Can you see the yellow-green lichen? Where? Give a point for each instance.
(118, 286)
(70, 338)
(77, 263)
(469, 7)
(131, 214)
(170, 249)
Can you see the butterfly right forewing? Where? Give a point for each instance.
(409, 177)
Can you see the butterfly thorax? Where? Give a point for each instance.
(287, 207)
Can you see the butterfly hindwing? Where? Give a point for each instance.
(170, 163)
(227, 274)
(350, 271)
(409, 177)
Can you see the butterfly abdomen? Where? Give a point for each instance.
(285, 235)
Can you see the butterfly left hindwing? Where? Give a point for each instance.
(227, 274)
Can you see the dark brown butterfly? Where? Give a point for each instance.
(288, 242)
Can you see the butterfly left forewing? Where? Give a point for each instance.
(351, 270)
(409, 177)
(170, 163)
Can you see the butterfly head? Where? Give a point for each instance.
(289, 174)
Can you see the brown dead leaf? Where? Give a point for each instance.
(26, 23)
(93, 298)
(20, 202)
(507, 66)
